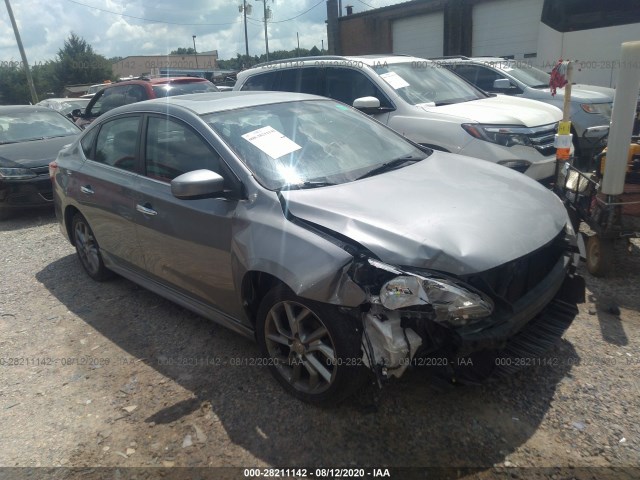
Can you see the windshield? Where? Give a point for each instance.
(23, 126)
(426, 82)
(309, 143)
(182, 88)
(530, 76)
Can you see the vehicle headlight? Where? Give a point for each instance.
(601, 108)
(16, 173)
(450, 301)
(502, 135)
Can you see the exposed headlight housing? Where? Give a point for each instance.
(507, 136)
(450, 301)
(601, 108)
(16, 173)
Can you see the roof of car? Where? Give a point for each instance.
(201, 103)
(24, 108)
(370, 60)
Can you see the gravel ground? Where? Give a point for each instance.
(111, 375)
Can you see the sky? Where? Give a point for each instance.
(155, 27)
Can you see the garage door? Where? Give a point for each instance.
(421, 36)
(506, 27)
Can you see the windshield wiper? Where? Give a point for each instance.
(307, 184)
(390, 165)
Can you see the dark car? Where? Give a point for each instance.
(344, 249)
(30, 138)
(137, 90)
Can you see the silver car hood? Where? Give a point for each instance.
(449, 213)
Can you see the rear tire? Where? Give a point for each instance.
(88, 249)
(313, 350)
(599, 256)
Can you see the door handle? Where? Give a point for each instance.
(87, 189)
(146, 209)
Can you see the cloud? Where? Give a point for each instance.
(133, 28)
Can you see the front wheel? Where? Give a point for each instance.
(88, 250)
(313, 350)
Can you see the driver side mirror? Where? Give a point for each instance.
(197, 184)
(76, 112)
(503, 84)
(368, 105)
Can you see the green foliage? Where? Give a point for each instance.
(242, 61)
(77, 63)
(14, 89)
(183, 51)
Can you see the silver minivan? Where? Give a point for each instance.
(347, 251)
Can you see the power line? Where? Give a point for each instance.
(299, 15)
(370, 6)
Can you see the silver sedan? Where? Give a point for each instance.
(347, 251)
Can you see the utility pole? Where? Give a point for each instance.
(243, 8)
(34, 96)
(298, 37)
(195, 52)
(267, 15)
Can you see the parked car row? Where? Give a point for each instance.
(429, 105)
(590, 104)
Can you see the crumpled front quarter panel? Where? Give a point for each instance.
(312, 266)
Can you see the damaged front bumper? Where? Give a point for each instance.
(516, 334)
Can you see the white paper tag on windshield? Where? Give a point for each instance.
(395, 80)
(271, 142)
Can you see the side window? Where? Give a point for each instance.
(468, 72)
(485, 78)
(135, 93)
(111, 98)
(303, 80)
(116, 143)
(172, 148)
(346, 84)
(262, 81)
(309, 81)
(87, 143)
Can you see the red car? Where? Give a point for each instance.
(137, 90)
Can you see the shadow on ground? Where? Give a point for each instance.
(27, 219)
(416, 423)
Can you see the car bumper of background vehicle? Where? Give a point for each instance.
(542, 169)
(26, 193)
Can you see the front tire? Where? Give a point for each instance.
(88, 249)
(313, 349)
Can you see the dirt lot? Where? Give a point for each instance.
(112, 375)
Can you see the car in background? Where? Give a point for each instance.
(343, 248)
(590, 104)
(143, 88)
(93, 89)
(65, 105)
(30, 138)
(429, 105)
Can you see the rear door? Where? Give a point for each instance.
(106, 186)
(185, 243)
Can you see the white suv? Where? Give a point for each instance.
(426, 103)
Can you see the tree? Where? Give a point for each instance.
(77, 63)
(183, 51)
